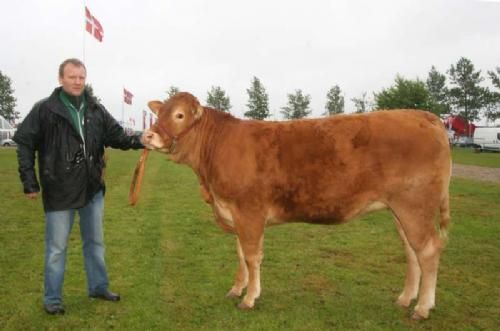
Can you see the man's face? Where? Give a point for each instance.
(73, 79)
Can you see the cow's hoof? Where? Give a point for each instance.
(244, 306)
(421, 312)
(417, 317)
(232, 295)
(403, 303)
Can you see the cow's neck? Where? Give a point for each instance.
(185, 149)
(205, 141)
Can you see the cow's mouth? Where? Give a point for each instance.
(166, 146)
(153, 141)
(163, 148)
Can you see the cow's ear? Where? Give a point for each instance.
(198, 111)
(155, 106)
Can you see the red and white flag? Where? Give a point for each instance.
(93, 26)
(127, 97)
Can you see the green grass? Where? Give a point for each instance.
(469, 157)
(173, 266)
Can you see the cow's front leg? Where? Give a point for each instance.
(251, 241)
(241, 279)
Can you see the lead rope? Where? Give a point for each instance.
(135, 186)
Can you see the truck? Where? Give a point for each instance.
(460, 131)
(487, 139)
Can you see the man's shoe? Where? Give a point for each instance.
(54, 308)
(106, 295)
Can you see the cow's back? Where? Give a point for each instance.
(324, 169)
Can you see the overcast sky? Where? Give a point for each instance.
(150, 45)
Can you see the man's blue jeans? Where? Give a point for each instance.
(58, 228)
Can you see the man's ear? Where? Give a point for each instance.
(155, 106)
(198, 111)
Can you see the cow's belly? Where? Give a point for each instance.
(324, 215)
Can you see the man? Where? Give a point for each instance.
(70, 130)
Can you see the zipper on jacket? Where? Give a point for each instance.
(81, 122)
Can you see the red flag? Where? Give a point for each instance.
(127, 97)
(93, 26)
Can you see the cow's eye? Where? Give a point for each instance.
(179, 116)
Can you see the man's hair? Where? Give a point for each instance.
(74, 62)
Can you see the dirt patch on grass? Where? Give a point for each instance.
(484, 174)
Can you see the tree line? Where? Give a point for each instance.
(458, 92)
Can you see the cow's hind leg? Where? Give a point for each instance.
(241, 279)
(428, 255)
(412, 280)
(418, 226)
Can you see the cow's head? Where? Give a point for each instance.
(176, 117)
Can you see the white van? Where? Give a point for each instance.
(487, 139)
(6, 133)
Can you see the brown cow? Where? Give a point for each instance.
(328, 171)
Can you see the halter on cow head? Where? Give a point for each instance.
(176, 117)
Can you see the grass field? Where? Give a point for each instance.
(468, 157)
(173, 266)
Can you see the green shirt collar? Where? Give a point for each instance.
(76, 114)
(77, 102)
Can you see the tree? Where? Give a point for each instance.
(495, 77)
(438, 92)
(492, 111)
(492, 105)
(217, 99)
(7, 99)
(361, 104)
(334, 101)
(298, 106)
(258, 101)
(90, 91)
(466, 95)
(411, 94)
(172, 90)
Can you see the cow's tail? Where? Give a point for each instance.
(444, 206)
(444, 211)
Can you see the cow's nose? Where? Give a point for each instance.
(147, 137)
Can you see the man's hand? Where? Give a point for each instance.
(32, 195)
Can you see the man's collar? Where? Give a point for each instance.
(76, 101)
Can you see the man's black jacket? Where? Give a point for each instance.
(69, 176)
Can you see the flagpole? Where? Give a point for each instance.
(84, 23)
(123, 107)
